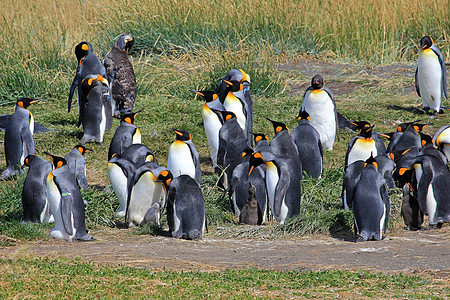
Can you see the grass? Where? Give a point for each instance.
(76, 279)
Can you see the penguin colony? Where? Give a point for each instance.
(262, 178)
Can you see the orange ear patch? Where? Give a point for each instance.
(85, 47)
(228, 117)
(258, 155)
(164, 173)
(402, 171)
(258, 138)
(59, 164)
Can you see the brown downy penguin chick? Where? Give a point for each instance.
(249, 213)
(120, 75)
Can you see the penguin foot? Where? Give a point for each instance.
(85, 238)
(360, 239)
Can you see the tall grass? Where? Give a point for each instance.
(371, 31)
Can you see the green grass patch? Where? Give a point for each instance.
(77, 279)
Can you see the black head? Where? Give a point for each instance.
(426, 42)
(365, 130)
(426, 139)
(259, 137)
(255, 160)
(91, 81)
(82, 50)
(371, 161)
(317, 82)
(278, 126)
(247, 152)
(58, 161)
(165, 177)
(182, 135)
(82, 149)
(129, 117)
(28, 160)
(26, 102)
(227, 115)
(419, 127)
(303, 115)
(234, 85)
(208, 96)
(403, 126)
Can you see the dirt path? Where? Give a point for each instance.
(404, 251)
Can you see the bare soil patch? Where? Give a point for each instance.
(403, 251)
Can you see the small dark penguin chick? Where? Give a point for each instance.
(249, 213)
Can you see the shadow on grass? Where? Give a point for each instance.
(407, 109)
(340, 229)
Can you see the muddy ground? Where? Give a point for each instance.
(402, 251)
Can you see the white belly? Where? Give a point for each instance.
(321, 110)
(102, 124)
(271, 183)
(180, 160)
(142, 197)
(212, 126)
(233, 104)
(429, 77)
(362, 150)
(119, 184)
(54, 202)
(431, 205)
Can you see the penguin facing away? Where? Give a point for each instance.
(88, 63)
(212, 121)
(139, 154)
(410, 210)
(121, 171)
(66, 203)
(120, 75)
(126, 134)
(96, 115)
(319, 103)
(34, 191)
(309, 147)
(183, 157)
(186, 214)
(77, 164)
(232, 142)
(441, 138)
(19, 142)
(431, 78)
(371, 205)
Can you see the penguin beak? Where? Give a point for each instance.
(251, 170)
(227, 82)
(35, 101)
(197, 92)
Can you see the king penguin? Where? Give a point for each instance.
(144, 191)
(212, 121)
(234, 93)
(186, 213)
(433, 181)
(126, 134)
(88, 63)
(232, 142)
(96, 115)
(120, 75)
(239, 187)
(66, 203)
(34, 191)
(77, 164)
(307, 140)
(431, 81)
(319, 103)
(361, 147)
(183, 157)
(371, 203)
(283, 182)
(19, 142)
(121, 172)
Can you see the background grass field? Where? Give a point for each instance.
(370, 48)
